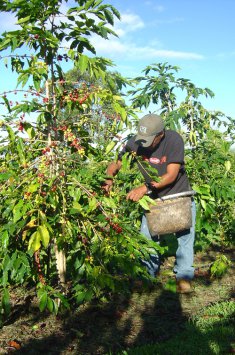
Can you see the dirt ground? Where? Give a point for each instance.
(145, 316)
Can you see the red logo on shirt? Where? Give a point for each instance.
(155, 160)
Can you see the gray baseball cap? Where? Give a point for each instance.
(148, 127)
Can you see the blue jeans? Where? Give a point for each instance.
(184, 255)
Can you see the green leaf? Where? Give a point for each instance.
(109, 202)
(77, 206)
(18, 211)
(203, 203)
(31, 132)
(5, 176)
(23, 20)
(44, 235)
(170, 286)
(7, 103)
(43, 302)
(11, 133)
(6, 301)
(33, 187)
(126, 161)
(110, 146)
(220, 266)
(116, 12)
(50, 304)
(83, 63)
(150, 200)
(81, 297)
(143, 203)
(97, 3)
(55, 306)
(36, 82)
(228, 165)
(14, 43)
(5, 239)
(34, 242)
(92, 204)
(88, 4)
(76, 194)
(17, 216)
(23, 79)
(109, 16)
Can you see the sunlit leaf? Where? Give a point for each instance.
(44, 235)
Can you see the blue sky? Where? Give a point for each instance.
(196, 35)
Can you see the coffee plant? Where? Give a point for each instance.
(59, 231)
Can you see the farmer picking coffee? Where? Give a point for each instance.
(164, 151)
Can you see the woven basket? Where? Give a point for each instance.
(169, 216)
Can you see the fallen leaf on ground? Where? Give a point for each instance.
(14, 344)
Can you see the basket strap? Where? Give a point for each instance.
(180, 194)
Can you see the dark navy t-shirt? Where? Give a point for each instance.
(169, 150)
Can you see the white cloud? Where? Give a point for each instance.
(111, 47)
(159, 8)
(132, 22)
(126, 46)
(129, 23)
(115, 48)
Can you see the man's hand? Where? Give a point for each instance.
(107, 185)
(112, 170)
(137, 193)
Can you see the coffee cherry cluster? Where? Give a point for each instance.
(62, 128)
(83, 240)
(46, 150)
(21, 127)
(114, 226)
(27, 195)
(76, 95)
(53, 188)
(73, 139)
(41, 178)
(75, 144)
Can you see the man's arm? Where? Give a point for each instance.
(168, 178)
(137, 193)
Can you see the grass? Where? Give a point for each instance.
(210, 332)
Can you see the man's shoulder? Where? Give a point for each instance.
(173, 135)
(128, 146)
(171, 132)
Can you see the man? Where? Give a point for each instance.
(164, 151)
